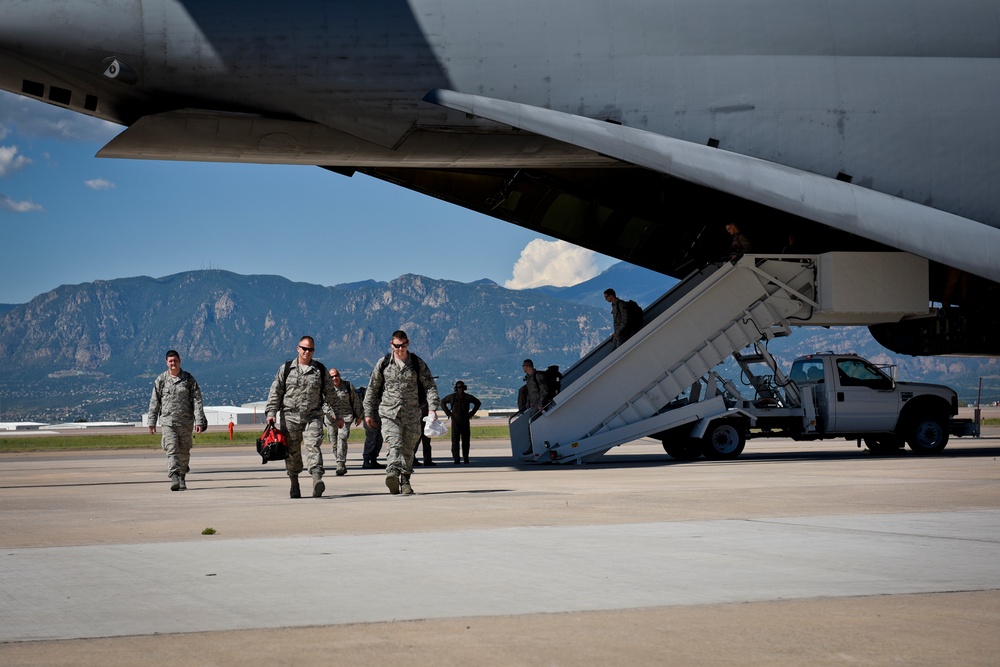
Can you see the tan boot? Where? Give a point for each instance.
(184, 485)
(404, 486)
(318, 485)
(175, 482)
(294, 492)
(392, 481)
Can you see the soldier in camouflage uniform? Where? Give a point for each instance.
(354, 411)
(397, 381)
(537, 387)
(176, 403)
(302, 392)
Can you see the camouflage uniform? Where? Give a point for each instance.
(353, 409)
(619, 319)
(538, 389)
(300, 401)
(399, 411)
(176, 403)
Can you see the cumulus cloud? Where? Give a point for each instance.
(10, 161)
(33, 118)
(8, 204)
(99, 184)
(554, 263)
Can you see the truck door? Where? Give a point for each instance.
(864, 399)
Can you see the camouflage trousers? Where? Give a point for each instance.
(177, 443)
(310, 436)
(401, 437)
(339, 436)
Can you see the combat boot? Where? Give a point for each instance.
(392, 481)
(294, 492)
(184, 485)
(175, 482)
(318, 485)
(404, 486)
(341, 468)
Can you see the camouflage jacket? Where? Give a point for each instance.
(619, 316)
(304, 396)
(396, 388)
(350, 399)
(538, 389)
(176, 401)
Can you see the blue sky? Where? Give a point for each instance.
(68, 217)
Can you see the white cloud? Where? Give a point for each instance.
(8, 204)
(554, 263)
(34, 118)
(10, 161)
(99, 184)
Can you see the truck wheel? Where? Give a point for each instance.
(724, 440)
(884, 443)
(683, 449)
(927, 435)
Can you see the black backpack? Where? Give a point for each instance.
(421, 392)
(322, 377)
(634, 311)
(553, 380)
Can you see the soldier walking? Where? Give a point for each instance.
(300, 391)
(176, 402)
(400, 381)
(354, 411)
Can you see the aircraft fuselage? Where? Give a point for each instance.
(898, 97)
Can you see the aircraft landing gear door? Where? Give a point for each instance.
(865, 400)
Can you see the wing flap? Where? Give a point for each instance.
(937, 235)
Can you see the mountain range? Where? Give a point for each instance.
(91, 351)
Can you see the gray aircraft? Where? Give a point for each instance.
(636, 128)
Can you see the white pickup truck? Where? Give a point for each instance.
(823, 396)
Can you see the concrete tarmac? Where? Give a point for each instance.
(796, 553)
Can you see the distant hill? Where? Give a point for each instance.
(90, 351)
(629, 282)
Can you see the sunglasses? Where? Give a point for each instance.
(307, 349)
(401, 345)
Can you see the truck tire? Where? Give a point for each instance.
(682, 448)
(884, 443)
(927, 434)
(724, 440)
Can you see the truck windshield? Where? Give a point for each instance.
(859, 373)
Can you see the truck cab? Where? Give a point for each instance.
(854, 397)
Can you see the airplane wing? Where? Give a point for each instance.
(937, 235)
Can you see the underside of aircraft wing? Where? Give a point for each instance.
(937, 235)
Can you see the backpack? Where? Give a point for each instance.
(553, 380)
(634, 313)
(322, 377)
(272, 445)
(421, 392)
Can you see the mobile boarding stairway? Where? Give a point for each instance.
(659, 378)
